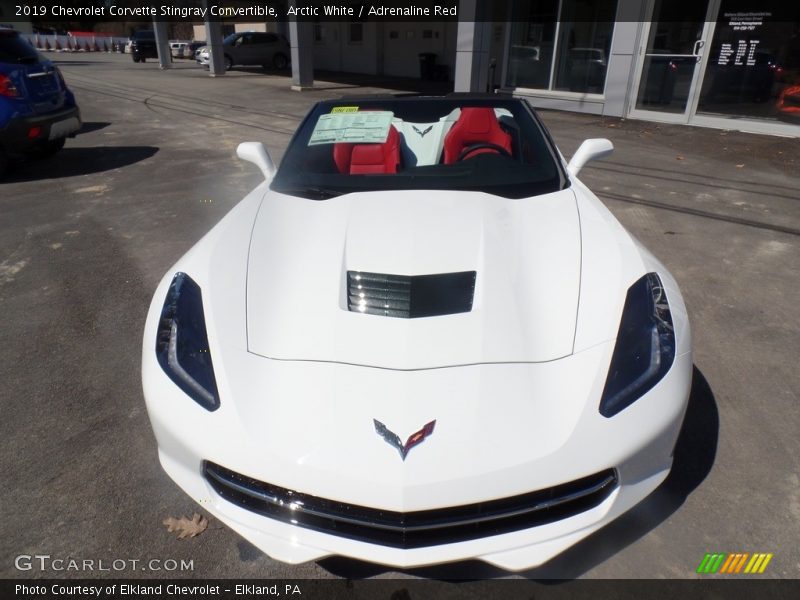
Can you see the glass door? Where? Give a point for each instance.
(672, 57)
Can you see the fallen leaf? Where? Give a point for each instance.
(740, 166)
(679, 157)
(186, 526)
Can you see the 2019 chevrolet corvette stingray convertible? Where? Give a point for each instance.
(421, 339)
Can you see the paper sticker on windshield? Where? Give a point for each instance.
(344, 109)
(367, 127)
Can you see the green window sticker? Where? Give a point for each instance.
(366, 127)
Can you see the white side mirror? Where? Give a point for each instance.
(256, 153)
(590, 150)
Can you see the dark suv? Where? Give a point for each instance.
(37, 110)
(143, 45)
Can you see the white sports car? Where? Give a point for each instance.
(421, 339)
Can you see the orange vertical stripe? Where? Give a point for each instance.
(741, 562)
(728, 562)
(731, 562)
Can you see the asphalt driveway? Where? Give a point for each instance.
(85, 237)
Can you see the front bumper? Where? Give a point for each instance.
(15, 139)
(452, 469)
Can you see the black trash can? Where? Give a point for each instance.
(427, 66)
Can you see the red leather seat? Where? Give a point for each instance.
(475, 125)
(369, 159)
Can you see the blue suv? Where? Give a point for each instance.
(37, 110)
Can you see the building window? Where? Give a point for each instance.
(561, 44)
(356, 33)
(753, 67)
(319, 31)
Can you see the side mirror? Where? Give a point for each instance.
(256, 153)
(590, 150)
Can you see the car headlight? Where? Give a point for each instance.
(182, 342)
(645, 347)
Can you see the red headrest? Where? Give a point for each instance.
(361, 159)
(475, 125)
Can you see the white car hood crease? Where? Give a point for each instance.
(526, 252)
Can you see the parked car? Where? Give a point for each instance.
(191, 48)
(176, 48)
(37, 109)
(269, 50)
(421, 339)
(788, 104)
(143, 45)
(526, 67)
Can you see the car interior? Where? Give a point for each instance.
(463, 134)
(487, 145)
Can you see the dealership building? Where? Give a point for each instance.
(731, 64)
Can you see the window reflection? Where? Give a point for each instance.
(577, 61)
(584, 45)
(754, 63)
(670, 55)
(532, 39)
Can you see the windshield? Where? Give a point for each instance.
(228, 41)
(487, 144)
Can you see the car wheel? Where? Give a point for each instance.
(3, 162)
(228, 63)
(280, 61)
(135, 59)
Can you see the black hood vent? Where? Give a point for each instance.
(410, 297)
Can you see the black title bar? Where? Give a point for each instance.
(396, 589)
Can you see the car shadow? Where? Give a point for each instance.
(71, 162)
(90, 126)
(695, 452)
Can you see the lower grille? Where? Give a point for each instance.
(412, 529)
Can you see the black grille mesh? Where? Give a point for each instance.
(412, 529)
(409, 297)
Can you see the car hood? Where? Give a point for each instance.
(526, 255)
